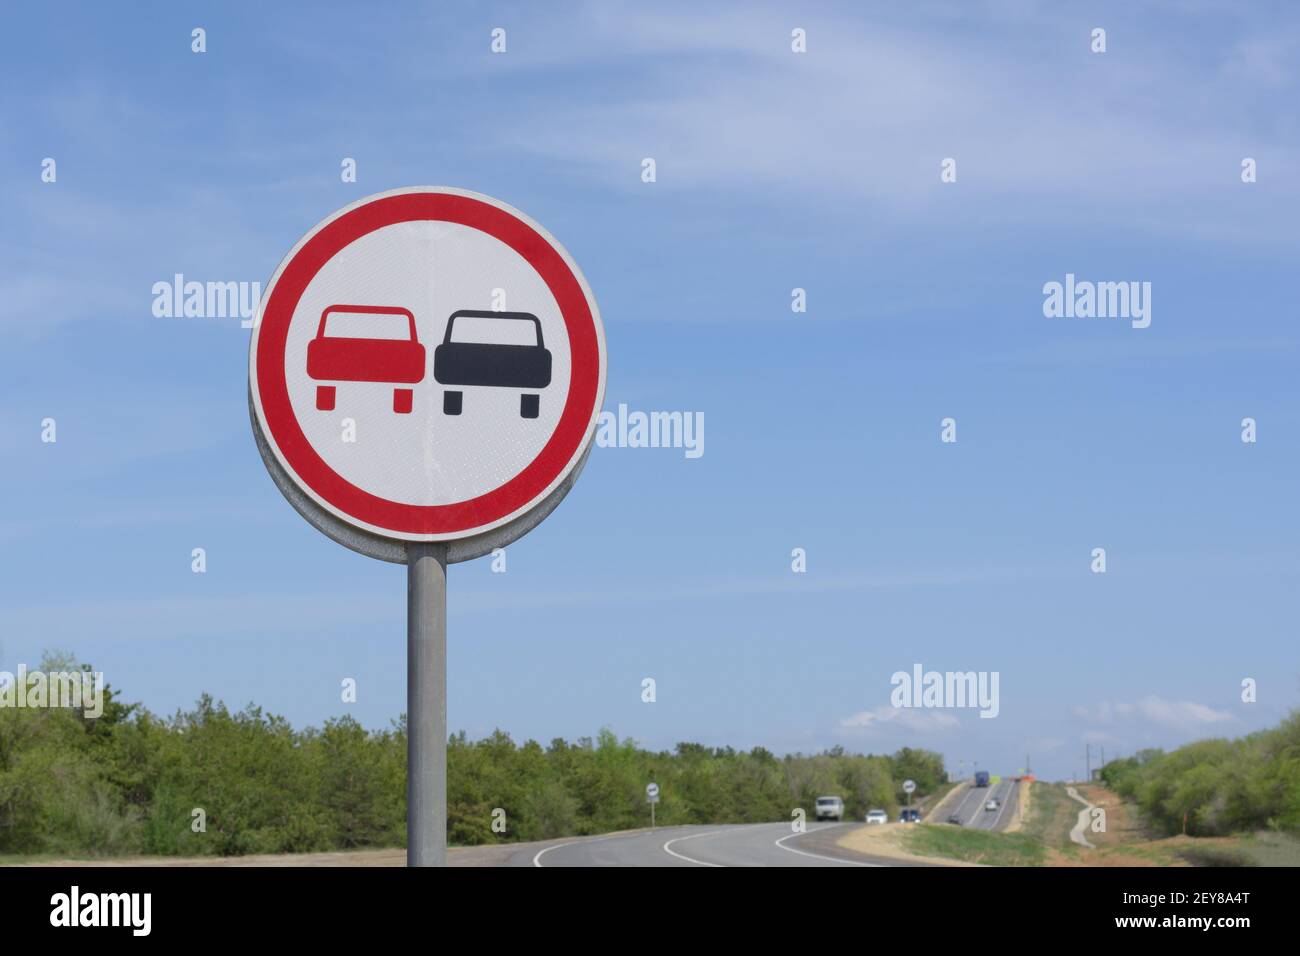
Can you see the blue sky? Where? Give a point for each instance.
(775, 171)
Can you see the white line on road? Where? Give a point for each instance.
(668, 846)
(1002, 807)
(682, 856)
(537, 860)
(979, 805)
(819, 856)
(984, 798)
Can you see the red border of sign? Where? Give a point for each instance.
(287, 436)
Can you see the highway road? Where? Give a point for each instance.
(758, 844)
(971, 807)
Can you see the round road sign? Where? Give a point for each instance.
(652, 789)
(908, 786)
(428, 364)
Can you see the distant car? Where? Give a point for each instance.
(909, 815)
(830, 808)
(991, 805)
(954, 819)
(877, 816)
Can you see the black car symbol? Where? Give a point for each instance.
(502, 365)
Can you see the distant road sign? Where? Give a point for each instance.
(652, 792)
(909, 786)
(392, 406)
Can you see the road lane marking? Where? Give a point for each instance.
(1002, 807)
(668, 846)
(991, 795)
(537, 860)
(682, 856)
(980, 811)
(819, 856)
(979, 805)
(935, 813)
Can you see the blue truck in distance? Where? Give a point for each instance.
(981, 778)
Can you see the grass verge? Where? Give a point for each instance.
(1052, 814)
(975, 846)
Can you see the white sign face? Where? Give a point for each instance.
(652, 789)
(429, 365)
(908, 786)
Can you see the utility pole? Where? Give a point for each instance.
(1087, 762)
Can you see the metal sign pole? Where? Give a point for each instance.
(426, 704)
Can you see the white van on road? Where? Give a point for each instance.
(830, 808)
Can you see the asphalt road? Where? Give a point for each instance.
(758, 844)
(971, 807)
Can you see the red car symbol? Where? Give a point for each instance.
(365, 359)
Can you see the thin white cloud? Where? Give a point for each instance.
(911, 719)
(180, 616)
(873, 107)
(1174, 714)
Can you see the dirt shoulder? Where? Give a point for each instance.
(886, 840)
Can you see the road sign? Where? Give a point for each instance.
(652, 792)
(424, 378)
(909, 786)
(428, 365)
